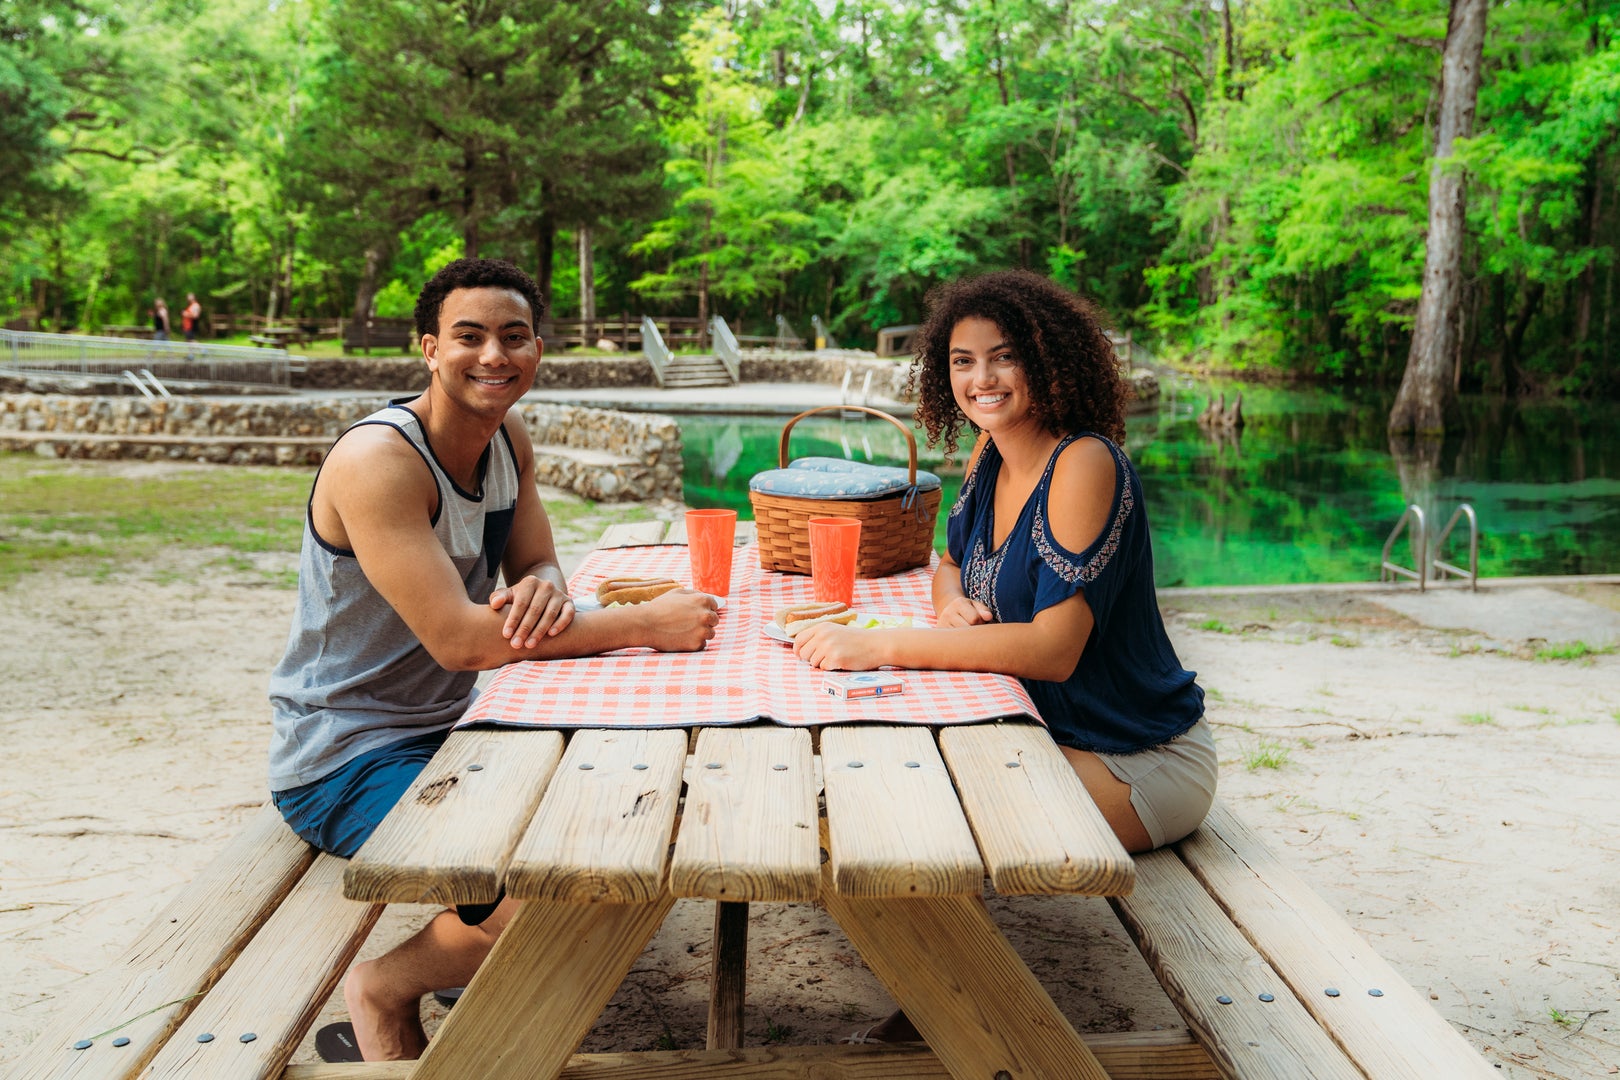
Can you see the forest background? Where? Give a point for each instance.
(1242, 182)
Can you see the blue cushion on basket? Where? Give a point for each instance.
(836, 478)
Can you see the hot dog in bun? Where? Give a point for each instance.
(796, 617)
(633, 590)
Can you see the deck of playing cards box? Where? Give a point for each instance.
(864, 684)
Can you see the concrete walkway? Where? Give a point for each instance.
(1510, 615)
(785, 399)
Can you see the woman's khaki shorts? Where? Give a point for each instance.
(1172, 786)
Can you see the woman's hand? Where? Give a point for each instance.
(964, 611)
(832, 647)
(536, 608)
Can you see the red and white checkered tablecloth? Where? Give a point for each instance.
(742, 675)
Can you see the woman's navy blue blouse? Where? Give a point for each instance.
(1129, 692)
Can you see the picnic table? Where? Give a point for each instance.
(563, 785)
(889, 815)
(280, 336)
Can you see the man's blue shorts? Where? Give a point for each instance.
(340, 811)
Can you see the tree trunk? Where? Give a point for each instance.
(292, 249)
(703, 304)
(1425, 394)
(1229, 55)
(1586, 235)
(587, 278)
(545, 253)
(367, 290)
(1513, 341)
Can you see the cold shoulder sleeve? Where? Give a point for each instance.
(1101, 570)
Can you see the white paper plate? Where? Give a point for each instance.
(776, 633)
(589, 602)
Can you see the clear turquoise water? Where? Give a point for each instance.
(1307, 493)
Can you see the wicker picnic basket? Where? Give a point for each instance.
(897, 530)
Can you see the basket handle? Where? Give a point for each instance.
(911, 440)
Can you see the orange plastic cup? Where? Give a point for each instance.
(835, 543)
(710, 535)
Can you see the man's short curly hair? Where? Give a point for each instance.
(1056, 336)
(475, 274)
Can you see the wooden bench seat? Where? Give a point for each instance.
(1273, 981)
(266, 897)
(377, 332)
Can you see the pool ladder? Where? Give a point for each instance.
(1389, 571)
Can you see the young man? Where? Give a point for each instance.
(414, 512)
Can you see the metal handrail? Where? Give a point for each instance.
(157, 384)
(1388, 571)
(180, 362)
(786, 336)
(726, 349)
(1443, 568)
(824, 340)
(654, 349)
(135, 379)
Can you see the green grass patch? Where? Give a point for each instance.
(1479, 719)
(1267, 754)
(58, 513)
(1215, 625)
(1572, 650)
(1344, 642)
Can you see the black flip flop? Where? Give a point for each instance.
(335, 1043)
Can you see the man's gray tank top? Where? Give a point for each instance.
(354, 677)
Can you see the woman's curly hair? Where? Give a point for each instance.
(1057, 338)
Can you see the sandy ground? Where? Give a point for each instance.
(1453, 796)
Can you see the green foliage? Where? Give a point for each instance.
(1572, 650)
(1248, 183)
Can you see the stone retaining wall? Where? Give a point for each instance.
(596, 453)
(407, 374)
(399, 375)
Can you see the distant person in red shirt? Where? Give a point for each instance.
(191, 316)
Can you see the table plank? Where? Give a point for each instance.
(632, 534)
(603, 830)
(448, 839)
(749, 829)
(959, 981)
(677, 533)
(895, 827)
(544, 984)
(1037, 827)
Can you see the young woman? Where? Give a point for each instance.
(1049, 574)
